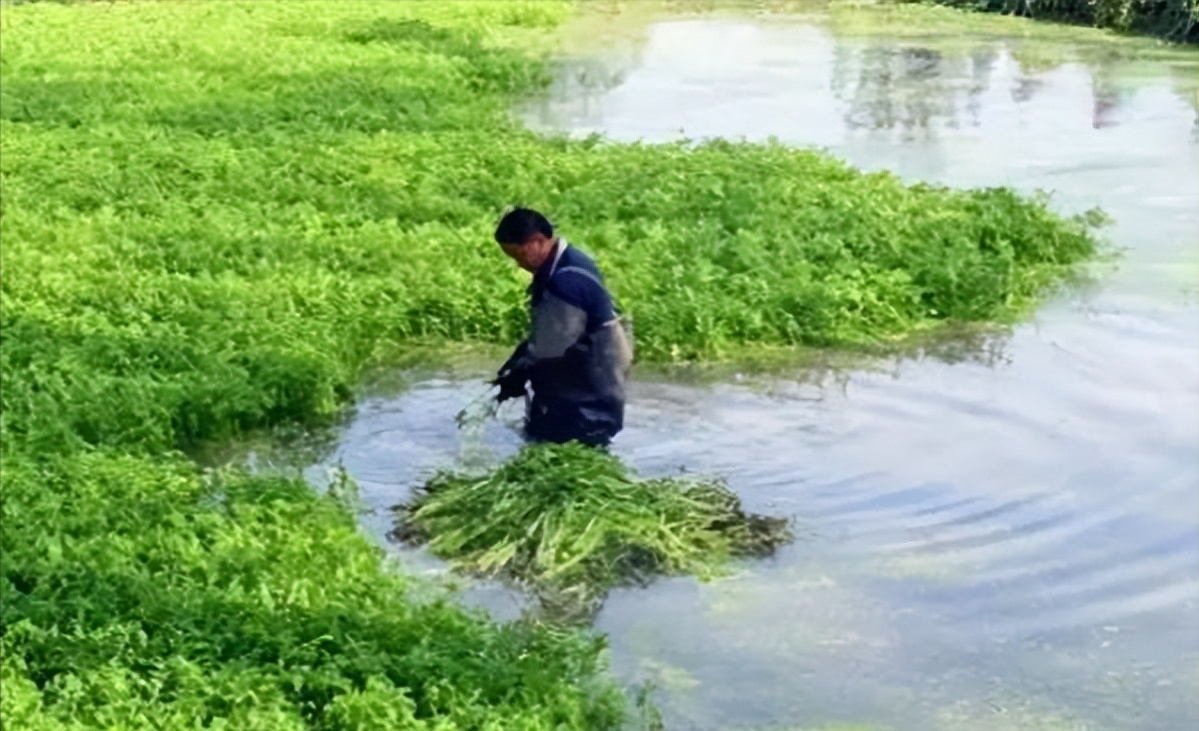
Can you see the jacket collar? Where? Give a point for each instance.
(546, 270)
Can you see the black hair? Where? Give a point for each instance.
(521, 224)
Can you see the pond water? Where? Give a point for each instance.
(1007, 538)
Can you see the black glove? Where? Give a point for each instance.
(513, 375)
(511, 383)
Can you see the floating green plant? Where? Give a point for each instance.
(572, 522)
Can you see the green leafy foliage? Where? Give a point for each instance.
(140, 593)
(216, 215)
(207, 231)
(572, 522)
(1173, 20)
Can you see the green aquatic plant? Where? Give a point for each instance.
(572, 522)
(141, 593)
(218, 215)
(187, 260)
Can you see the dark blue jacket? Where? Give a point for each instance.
(578, 352)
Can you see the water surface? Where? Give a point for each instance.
(1005, 541)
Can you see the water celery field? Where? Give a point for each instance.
(215, 216)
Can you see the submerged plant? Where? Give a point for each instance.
(572, 522)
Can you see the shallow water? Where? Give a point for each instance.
(1009, 541)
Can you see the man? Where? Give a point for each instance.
(578, 354)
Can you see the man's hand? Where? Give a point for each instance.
(511, 383)
(513, 374)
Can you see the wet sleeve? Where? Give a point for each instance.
(557, 324)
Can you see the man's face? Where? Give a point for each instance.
(532, 253)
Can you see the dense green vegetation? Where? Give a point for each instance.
(215, 215)
(142, 595)
(1173, 20)
(572, 522)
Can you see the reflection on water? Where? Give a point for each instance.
(920, 90)
(899, 88)
(997, 534)
(834, 86)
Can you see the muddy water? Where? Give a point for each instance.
(1008, 540)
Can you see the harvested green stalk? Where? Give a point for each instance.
(572, 522)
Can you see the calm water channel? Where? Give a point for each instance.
(1004, 540)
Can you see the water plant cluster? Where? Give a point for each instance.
(216, 215)
(572, 522)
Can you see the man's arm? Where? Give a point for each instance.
(559, 321)
(557, 325)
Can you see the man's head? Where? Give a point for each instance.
(527, 237)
